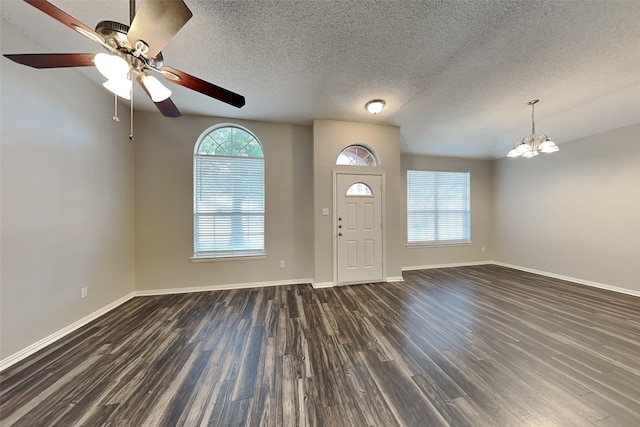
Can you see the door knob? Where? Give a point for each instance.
(339, 234)
(340, 226)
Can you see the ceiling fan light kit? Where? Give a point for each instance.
(532, 145)
(120, 87)
(113, 67)
(157, 91)
(132, 52)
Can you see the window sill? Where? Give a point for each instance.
(212, 258)
(438, 244)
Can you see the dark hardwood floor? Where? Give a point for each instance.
(468, 346)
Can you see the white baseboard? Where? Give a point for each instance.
(534, 271)
(571, 279)
(455, 264)
(39, 345)
(323, 285)
(332, 284)
(227, 287)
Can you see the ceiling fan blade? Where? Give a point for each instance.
(66, 19)
(156, 22)
(53, 60)
(166, 107)
(183, 79)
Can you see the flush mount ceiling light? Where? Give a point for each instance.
(529, 147)
(375, 106)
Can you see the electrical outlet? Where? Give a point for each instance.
(84, 292)
(283, 264)
(483, 249)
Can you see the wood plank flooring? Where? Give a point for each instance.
(467, 346)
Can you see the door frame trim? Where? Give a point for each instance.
(383, 205)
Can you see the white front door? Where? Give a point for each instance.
(359, 228)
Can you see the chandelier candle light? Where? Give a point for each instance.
(529, 147)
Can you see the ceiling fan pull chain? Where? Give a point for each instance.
(115, 117)
(131, 116)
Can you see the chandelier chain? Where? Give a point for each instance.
(533, 103)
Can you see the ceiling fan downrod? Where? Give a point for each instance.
(132, 10)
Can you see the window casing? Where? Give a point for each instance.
(438, 207)
(228, 194)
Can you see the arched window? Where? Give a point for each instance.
(359, 189)
(356, 155)
(228, 193)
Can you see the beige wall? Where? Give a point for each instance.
(329, 138)
(67, 200)
(574, 213)
(481, 213)
(164, 205)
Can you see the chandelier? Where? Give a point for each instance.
(529, 147)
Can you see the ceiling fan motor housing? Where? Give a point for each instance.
(115, 35)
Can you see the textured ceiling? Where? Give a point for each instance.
(456, 75)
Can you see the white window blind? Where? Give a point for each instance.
(438, 207)
(228, 200)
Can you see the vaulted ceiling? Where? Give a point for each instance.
(456, 75)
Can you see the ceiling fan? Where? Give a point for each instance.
(133, 51)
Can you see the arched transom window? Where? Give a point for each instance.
(356, 155)
(228, 193)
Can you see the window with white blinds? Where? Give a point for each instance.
(438, 207)
(228, 194)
